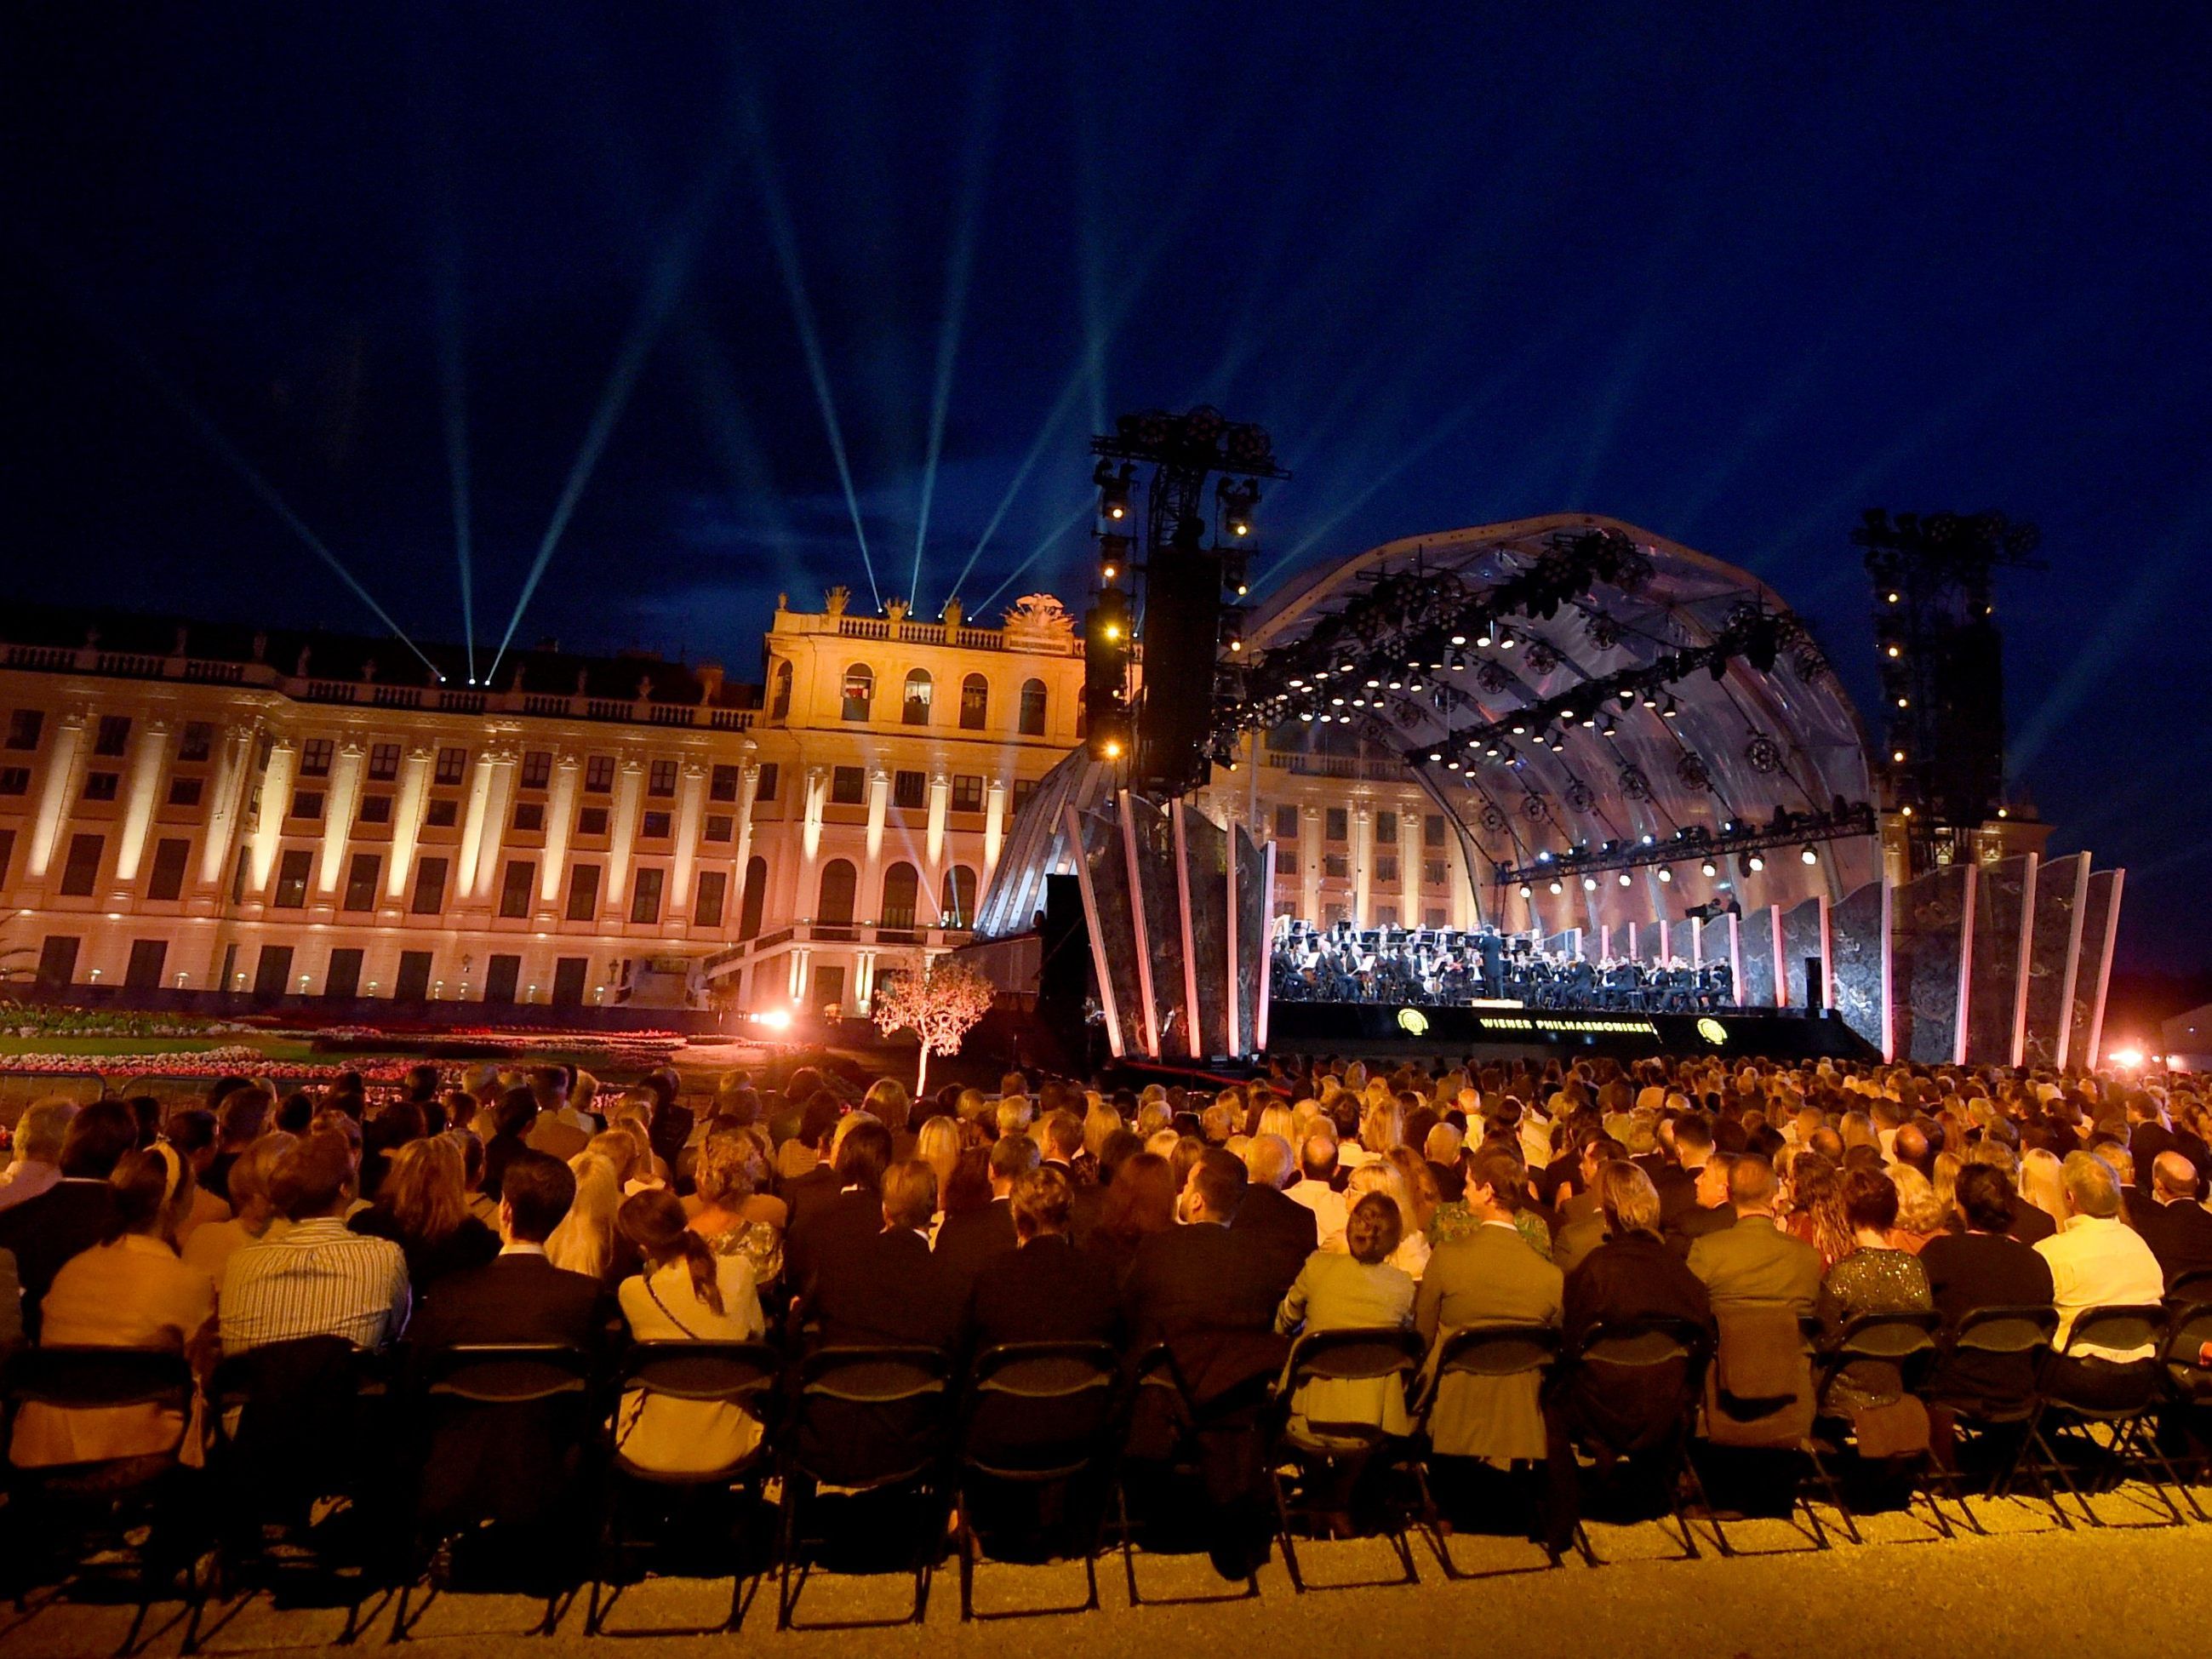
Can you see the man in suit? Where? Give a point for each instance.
(1678, 1187)
(817, 1127)
(73, 1214)
(1754, 1260)
(2177, 1229)
(846, 1222)
(969, 1239)
(1711, 1213)
(515, 1463)
(1984, 1266)
(887, 1290)
(2149, 1137)
(1064, 1150)
(1487, 1277)
(558, 1132)
(1289, 1232)
(1045, 1290)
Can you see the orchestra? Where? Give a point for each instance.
(1447, 966)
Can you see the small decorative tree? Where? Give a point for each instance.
(940, 1001)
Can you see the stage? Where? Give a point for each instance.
(1501, 1032)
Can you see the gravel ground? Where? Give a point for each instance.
(2027, 1589)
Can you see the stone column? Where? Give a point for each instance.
(1411, 851)
(491, 801)
(338, 810)
(690, 799)
(748, 793)
(629, 786)
(407, 819)
(879, 804)
(225, 814)
(276, 802)
(560, 820)
(1310, 856)
(141, 796)
(940, 803)
(1362, 861)
(64, 768)
(994, 825)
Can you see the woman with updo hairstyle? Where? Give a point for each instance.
(1140, 1200)
(682, 1293)
(128, 1290)
(735, 1216)
(1410, 1255)
(1356, 1287)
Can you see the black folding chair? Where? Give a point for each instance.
(1658, 1362)
(1042, 1419)
(1334, 1456)
(1902, 1343)
(739, 1376)
(2081, 1393)
(864, 1423)
(1985, 1379)
(1160, 1388)
(2190, 1289)
(1486, 1351)
(77, 1518)
(473, 1397)
(296, 1424)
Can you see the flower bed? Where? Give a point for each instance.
(205, 1063)
(38, 1019)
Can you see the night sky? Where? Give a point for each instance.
(421, 281)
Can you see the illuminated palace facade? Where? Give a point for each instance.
(195, 807)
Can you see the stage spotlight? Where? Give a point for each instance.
(1556, 887)
(1627, 881)
(1459, 639)
(1665, 873)
(1544, 857)
(1238, 502)
(1589, 884)
(1754, 862)
(1504, 640)
(1897, 755)
(1810, 855)
(1895, 651)
(1650, 699)
(1526, 891)
(1670, 712)
(1709, 868)
(1483, 638)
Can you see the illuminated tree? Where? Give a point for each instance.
(940, 1001)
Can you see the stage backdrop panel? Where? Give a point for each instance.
(1804, 939)
(2100, 916)
(1858, 962)
(1255, 923)
(1994, 985)
(1682, 941)
(2054, 948)
(1931, 919)
(1755, 940)
(1568, 945)
(1154, 836)
(1114, 945)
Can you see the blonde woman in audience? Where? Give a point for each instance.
(2042, 1183)
(685, 1292)
(1278, 1121)
(253, 1213)
(735, 1216)
(1099, 1124)
(584, 1242)
(1423, 1195)
(1920, 1215)
(1411, 1257)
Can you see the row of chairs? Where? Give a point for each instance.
(1023, 1454)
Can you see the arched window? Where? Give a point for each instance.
(1032, 708)
(974, 702)
(778, 704)
(958, 905)
(902, 894)
(755, 897)
(915, 710)
(835, 906)
(860, 691)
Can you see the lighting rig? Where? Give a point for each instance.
(1744, 844)
(1941, 663)
(1192, 589)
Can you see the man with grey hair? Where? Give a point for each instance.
(2097, 1260)
(37, 1165)
(2177, 1229)
(1316, 1187)
(1288, 1230)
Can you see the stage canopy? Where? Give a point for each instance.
(1674, 713)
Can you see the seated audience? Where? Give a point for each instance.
(2096, 1261)
(1317, 1187)
(422, 1207)
(891, 1290)
(128, 1291)
(317, 1279)
(1984, 1267)
(855, 1214)
(254, 1214)
(1140, 1201)
(683, 1292)
(1754, 1260)
(1875, 1277)
(1354, 1288)
(736, 1215)
(1044, 1290)
(2177, 1229)
(36, 1166)
(970, 1237)
(75, 1212)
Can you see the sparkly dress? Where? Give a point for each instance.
(1870, 1281)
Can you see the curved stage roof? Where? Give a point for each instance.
(1772, 736)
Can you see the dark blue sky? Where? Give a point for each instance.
(1727, 274)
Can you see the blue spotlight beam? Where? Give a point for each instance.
(1043, 547)
(671, 269)
(959, 262)
(453, 398)
(785, 238)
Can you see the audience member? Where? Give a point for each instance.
(1354, 1288)
(422, 1207)
(683, 1292)
(317, 1279)
(75, 1212)
(1754, 1260)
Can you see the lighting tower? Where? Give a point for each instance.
(1942, 662)
(1192, 622)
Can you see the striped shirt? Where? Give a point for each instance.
(318, 1280)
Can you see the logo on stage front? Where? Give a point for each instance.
(1712, 1030)
(1413, 1021)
